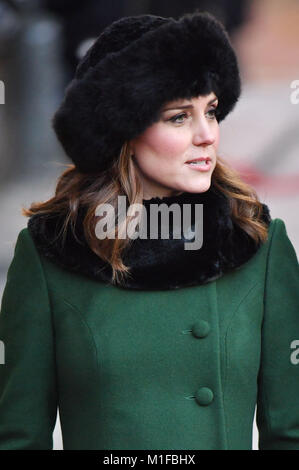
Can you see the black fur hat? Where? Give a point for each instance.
(134, 67)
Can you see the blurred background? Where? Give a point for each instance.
(41, 42)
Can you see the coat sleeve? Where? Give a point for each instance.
(28, 398)
(277, 413)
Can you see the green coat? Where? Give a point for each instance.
(172, 369)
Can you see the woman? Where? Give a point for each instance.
(144, 342)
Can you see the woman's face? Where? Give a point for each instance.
(187, 130)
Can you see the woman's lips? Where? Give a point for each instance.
(206, 166)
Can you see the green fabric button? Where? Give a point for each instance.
(204, 396)
(201, 329)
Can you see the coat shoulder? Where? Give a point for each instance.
(279, 240)
(25, 246)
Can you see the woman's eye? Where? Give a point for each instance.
(178, 116)
(212, 113)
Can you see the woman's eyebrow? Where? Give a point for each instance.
(190, 105)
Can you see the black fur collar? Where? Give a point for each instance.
(157, 263)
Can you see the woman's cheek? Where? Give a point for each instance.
(217, 135)
(167, 140)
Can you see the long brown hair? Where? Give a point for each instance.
(75, 190)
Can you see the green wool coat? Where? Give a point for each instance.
(171, 369)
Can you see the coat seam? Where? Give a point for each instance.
(69, 304)
(265, 401)
(50, 304)
(227, 357)
(228, 327)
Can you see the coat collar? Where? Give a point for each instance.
(157, 263)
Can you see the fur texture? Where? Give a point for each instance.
(157, 263)
(134, 67)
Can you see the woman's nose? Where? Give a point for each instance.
(204, 134)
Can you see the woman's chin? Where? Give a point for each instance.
(199, 186)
